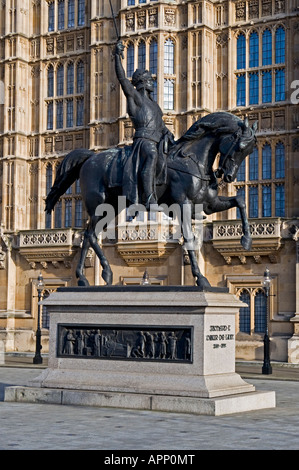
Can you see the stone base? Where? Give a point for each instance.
(167, 349)
(177, 404)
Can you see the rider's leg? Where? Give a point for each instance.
(149, 158)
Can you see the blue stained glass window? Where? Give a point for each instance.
(280, 94)
(266, 201)
(169, 57)
(280, 160)
(70, 113)
(70, 79)
(59, 115)
(68, 213)
(254, 50)
(61, 14)
(240, 193)
(253, 88)
(260, 311)
(253, 201)
(241, 172)
(153, 58)
(130, 60)
(267, 87)
(58, 215)
(50, 81)
(51, 16)
(267, 47)
(280, 201)
(267, 162)
(71, 14)
(244, 317)
(50, 116)
(60, 80)
(81, 12)
(80, 78)
(241, 90)
(254, 165)
(80, 112)
(241, 52)
(280, 45)
(78, 213)
(141, 55)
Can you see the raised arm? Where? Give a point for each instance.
(126, 85)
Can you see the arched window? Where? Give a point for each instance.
(70, 113)
(58, 215)
(71, 14)
(50, 81)
(168, 94)
(241, 90)
(253, 202)
(68, 213)
(169, 57)
(241, 52)
(267, 162)
(61, 14)
(267, 87)
(59, 114)
(241, 172)
(153, 57)
(260, 312)
(60, 80)
(141, 55)
(253, 88)
(280, 86)
(50, 116)
(130, 60)
(244, 317)
(279, 200)
(51, 16)
(280, 160)
(240, 193)
(80, 112)
(254, 50)
(280, 45)
(81, 12)
(267, 47)
(80, 77)
(49, 182)
(266, 201)
(70, 79)
(254, 165)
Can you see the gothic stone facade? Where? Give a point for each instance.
(58, 91)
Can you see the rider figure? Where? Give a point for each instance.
(151, 134)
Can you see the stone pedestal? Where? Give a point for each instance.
(144, 347)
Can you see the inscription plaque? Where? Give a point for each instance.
(125, 343)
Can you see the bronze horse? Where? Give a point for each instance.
(191, 180)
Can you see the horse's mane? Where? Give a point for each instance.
(214, 123)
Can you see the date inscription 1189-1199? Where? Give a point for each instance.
(131, 343)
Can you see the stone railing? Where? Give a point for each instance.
(258, 228)
(266, 239)
(45, 238)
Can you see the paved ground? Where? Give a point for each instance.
(54, 427)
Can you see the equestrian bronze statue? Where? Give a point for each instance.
(157, 170)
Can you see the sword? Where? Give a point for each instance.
(115, 25)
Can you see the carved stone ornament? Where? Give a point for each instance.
(126, 343)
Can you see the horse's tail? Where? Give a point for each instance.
(67, 173)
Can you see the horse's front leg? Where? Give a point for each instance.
(189, 239)
(222, 203)
(82, 281)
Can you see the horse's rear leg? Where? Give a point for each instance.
(82, 281)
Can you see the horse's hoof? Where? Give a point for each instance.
(246, 242)
(202, 281)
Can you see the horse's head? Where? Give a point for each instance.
(233, 148)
